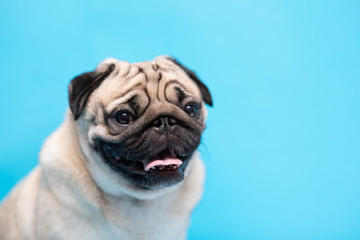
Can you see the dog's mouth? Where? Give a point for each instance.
(166, 162)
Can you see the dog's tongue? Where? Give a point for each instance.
(162, 160)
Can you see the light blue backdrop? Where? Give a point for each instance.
(282, 143)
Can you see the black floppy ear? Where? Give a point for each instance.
(82, 86)
(203, 89)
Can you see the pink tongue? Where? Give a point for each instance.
(164, 162)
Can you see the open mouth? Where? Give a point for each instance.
(165, 162)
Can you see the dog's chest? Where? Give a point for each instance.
(158, 220)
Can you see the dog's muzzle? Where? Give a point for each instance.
(158, 160)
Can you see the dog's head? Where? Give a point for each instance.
(139, 124)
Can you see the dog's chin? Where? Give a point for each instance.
(162, 169)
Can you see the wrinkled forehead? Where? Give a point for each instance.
(158, 80)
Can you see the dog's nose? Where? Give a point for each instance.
(164, 123)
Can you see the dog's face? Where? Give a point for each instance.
(139, 124)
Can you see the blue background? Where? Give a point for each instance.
(282, 143)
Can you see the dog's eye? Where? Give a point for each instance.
(124, 117)
(191, 110)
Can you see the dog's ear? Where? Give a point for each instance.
(82, 86)
(203, 89)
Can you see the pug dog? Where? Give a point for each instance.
(123, 165)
